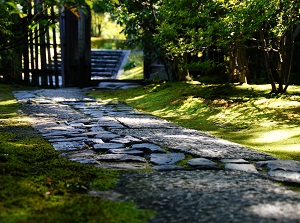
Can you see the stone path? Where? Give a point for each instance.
(196, 177)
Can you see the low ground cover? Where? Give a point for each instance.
(39, 186)
(245, 114)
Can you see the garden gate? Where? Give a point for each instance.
(57, 55)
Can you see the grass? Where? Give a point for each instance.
(39, 186)
(245, 114)
(133, 69)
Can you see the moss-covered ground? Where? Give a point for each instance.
(245, 114)
(36, 185)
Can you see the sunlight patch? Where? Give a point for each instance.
(275, 136)
(277, 210)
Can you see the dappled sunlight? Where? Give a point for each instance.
(277, 210)
(134, 73)
(275, 136)
(136, 98)
(8, 102)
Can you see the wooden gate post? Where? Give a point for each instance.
(76, 49)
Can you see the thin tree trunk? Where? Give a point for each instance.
(267, 61)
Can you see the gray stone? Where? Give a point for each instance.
(97, 129)
(123, 166)
(241, 167)
(87, 153)
(67, 139)
(237, 161)
(126, 140)
(144, 122)
(166, 159)
(106, 136)
(92, 141)
(202, 163)
(107, 146)
(285, 175)
(133, 152)
(148, 147)
(69, 146)
(287, 165)
(120, 158)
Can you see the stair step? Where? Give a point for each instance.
(104, 63)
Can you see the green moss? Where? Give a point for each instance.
(245, 114)
(37, 185)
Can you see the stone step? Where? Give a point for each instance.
(104, 63)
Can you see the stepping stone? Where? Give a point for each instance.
(69, 146)
(126, 140)
(97, 129)
(67, 139)
(107, 146)
(106, 136)
(123, 166)
(287, 165)
(166, 159)
(120, 158)
(133, 152)
(91, 142)
(202, 163)
(85, 160)
(237, 161)
(148, 147)
(285, 175)
(87, 153)
(168, 167)
(241, 167)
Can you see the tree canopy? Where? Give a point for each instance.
(180, 27)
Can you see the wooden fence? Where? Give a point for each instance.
(40, 55)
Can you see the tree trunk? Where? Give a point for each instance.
(267, 61)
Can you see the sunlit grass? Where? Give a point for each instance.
(132, 74)
(245, 114)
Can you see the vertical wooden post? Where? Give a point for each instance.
(76, 47)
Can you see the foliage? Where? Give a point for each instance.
(245, 114)
(37, 185)
(227, 26)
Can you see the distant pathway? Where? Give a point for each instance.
(220, 182)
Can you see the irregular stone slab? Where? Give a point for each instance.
(92, 141)
(287, 165)
(87, 153)
(285, 175)
(143, 121)
(148, 147)
(237, 161)
(67, 139)
(133, 152)
(241, 167)
(85, 160)
(202, 163)
(166, 159)
(107, 136)
(168, 167)
(126, 140)
(97, 129)
(123, 166)
(107, 146)
(69, 146)
(120, 158)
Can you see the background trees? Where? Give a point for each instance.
(242, 38)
